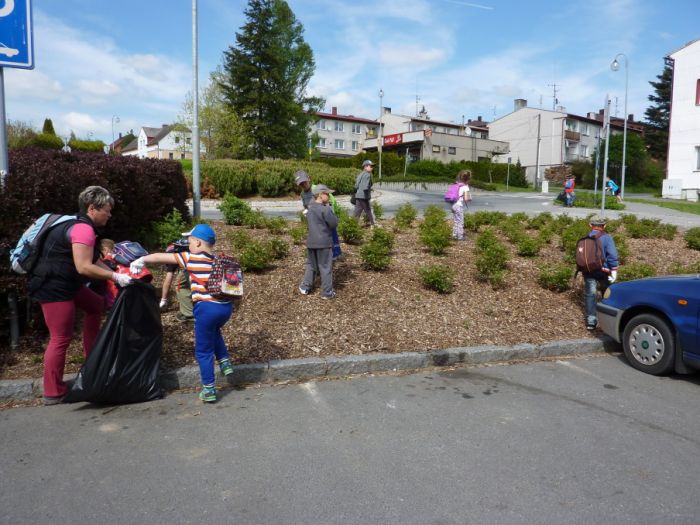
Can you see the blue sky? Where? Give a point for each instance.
(133, 59)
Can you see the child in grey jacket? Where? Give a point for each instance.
(321, 221)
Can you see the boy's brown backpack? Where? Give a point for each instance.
(589, 254)
(226, 278)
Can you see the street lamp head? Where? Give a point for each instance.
(381, 93)
(615, 66)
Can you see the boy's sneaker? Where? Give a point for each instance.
(304, 291)
(208, 394)
(225, 367)
(183, 318)
(329, 296)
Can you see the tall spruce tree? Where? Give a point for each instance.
(658, 115)
(48, 127)
(265, 79)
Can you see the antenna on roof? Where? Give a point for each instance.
(555, 100)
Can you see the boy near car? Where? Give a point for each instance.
(210, 314)
(603, 277)
(321, 221)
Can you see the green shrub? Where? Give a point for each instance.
(255, 257)
(491, 259)
(383, 238)
(513, 230)
(623, 249)
(255, 219)
(677, 268)
(571, 235)
(489, 217)
(238, 238)
(170, 228)
(545, 236)
(633, 271)
(377, 209)
(405, 216)
(561, 223)
(375, 256)
(628, 219)
(234, 209)
(556, 277)
(277, 248)
(298, 234)
(540, 221)
(528, 247)
(518, 217)
(276, 225)
(438, 277)
(275, 183)
(588, 200)
(435, 233)
(651, 229)
(692, 238)
(349, 229)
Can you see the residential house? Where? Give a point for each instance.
(167, 142)
(683, 165)
(548, 138)
(421, 137)
(340, 135)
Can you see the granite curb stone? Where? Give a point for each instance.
(319, 368)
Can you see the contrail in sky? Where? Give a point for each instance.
(469, 4)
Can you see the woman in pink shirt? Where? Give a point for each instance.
(68, 260)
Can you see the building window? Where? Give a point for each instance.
(177, 140)
(321, 124)
(339, 144)
(355, 145)
(697, 93)
(321, 143)
(170, 156)
(584, 129)
(584, 151)
(436, 149)
(356, 129)
(188, 140)
(697, 157)
(571, 125)
(338, 126)
(452, 150)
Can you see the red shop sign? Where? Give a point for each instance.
(390, 140)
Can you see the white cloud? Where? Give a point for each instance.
(418, 57)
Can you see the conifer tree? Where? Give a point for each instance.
(48, 127)
(658, 115)
(265, 79)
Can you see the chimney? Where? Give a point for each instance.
(520, 103)
(630, 118)
(601, 112)
(387, 110)
(120, 134)
(334, 110)
(478, 118)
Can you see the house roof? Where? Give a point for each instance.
(438, 122)
(134, 144)
(683, 47)
(347, 118)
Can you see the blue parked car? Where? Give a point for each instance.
(657, 321)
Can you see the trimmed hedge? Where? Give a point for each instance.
(46, 181)
(271, 178)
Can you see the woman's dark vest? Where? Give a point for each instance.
(55, 277)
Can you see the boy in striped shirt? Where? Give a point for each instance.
(209, 314)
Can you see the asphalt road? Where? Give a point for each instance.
(528, 202)
(579, 441)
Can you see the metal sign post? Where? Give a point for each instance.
(16, 50)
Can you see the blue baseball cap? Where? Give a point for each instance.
(203, 232)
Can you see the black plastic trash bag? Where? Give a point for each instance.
(123, 364)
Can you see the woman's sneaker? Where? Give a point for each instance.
(225, 367)
(208, 394)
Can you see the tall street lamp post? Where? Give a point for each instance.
(615, 66)
(114, 119)
(381, 131)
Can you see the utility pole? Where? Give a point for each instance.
(537, 162)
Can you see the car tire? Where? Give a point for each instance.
(649, 344)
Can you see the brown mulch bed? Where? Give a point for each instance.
(385, 312)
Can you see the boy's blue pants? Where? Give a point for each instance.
(208, 341)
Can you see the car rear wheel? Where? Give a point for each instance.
(648, 344)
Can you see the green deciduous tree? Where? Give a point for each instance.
(658, 115)
(222, 132)
(640, 168)
(265, 79)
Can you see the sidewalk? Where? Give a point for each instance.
(315, 368)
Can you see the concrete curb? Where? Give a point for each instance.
(336, 366)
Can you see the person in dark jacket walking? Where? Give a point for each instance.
(604, 277)
(321, 221)
(69, 259)
(363, 192)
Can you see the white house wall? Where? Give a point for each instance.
(683, 175)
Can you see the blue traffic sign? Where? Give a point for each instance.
(16, 40)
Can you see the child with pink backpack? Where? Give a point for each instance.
(458, 195)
